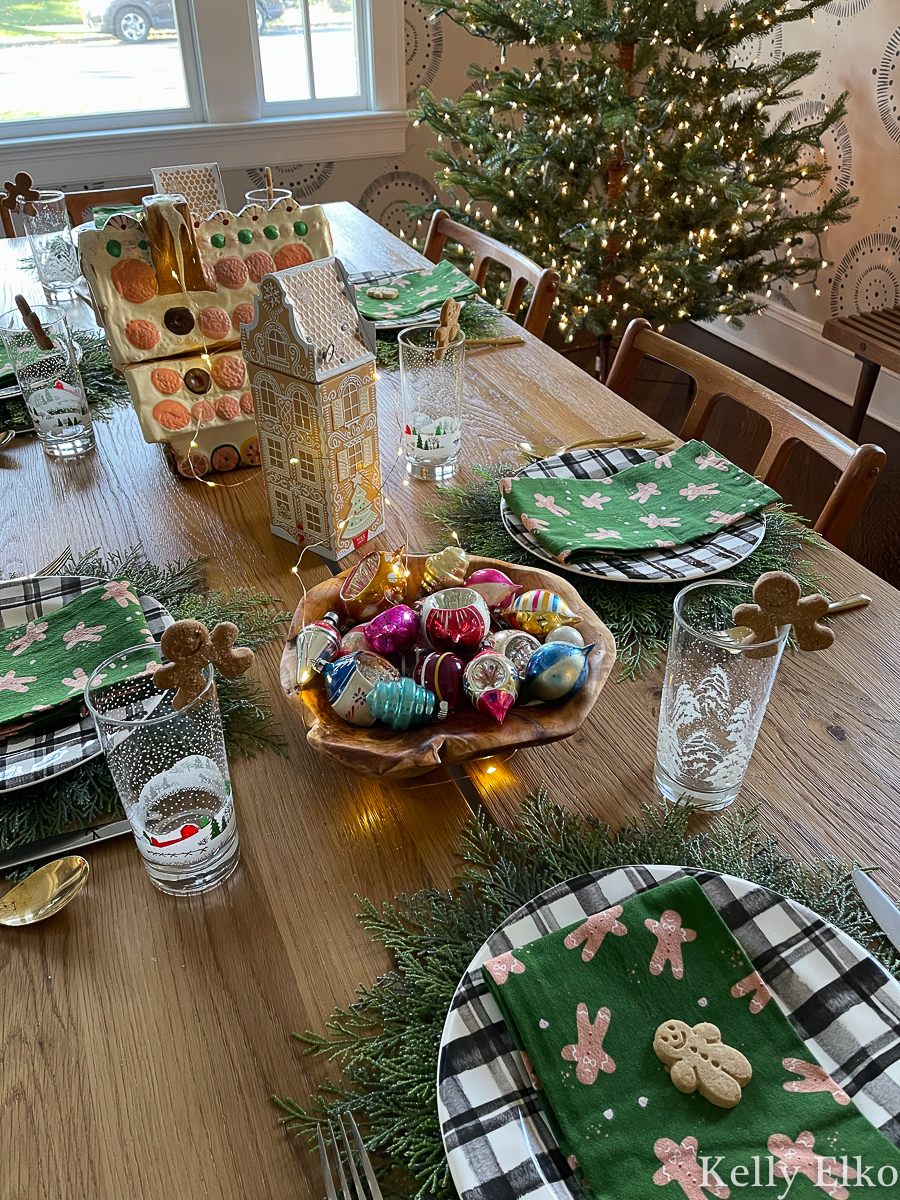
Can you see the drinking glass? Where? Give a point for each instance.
(432, 390)
(53, 249)
(261, 196)
(50, 382)
(170, 770)
(714, 696)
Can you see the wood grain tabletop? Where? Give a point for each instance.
(142, 1035)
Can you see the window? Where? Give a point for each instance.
(238, 83)
(355, 458)
(277, 456)
(304, 413)
(312, 520)
(267, 403)
(306, 466)
(351, 407)
(283, 505)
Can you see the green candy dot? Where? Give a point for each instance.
(245, 236)
(218, 240)
(114, 248)
(271, 232)
(142, 245)
(301, 228)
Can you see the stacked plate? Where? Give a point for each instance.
(709, 555)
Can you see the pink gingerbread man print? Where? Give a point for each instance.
(603, 535)
(693, 490)
(78, 680)
(755, 983)
(120, 591)
(529, 1067)
(814, 1079)
(663, 460)
(644, 492)
(549, 502)
(720, 518)
(652, 521)
(35, 631)
(711, 459)
(669, 938)
(9, 682)
(594, 930)
(595, 501)
(800, 1158)
(503, 966)
(679, 1165)
(534, 524)
(588, 1051)
(83, 633)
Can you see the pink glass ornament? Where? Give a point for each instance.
(496, 588)
(394, 630)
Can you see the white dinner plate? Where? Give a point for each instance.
(26, 758)
(843, 1005)
(710, 555)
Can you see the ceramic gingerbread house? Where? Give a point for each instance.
(311, 366)
(171, 291)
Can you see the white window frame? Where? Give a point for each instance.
(229, 122)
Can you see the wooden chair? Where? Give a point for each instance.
(79, 202)
(874, 338)
(487, 250)
(790, 426)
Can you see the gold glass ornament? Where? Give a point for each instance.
(446, 569)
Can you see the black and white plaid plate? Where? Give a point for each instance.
(840, 1001)
(28, 758)
(706, 556)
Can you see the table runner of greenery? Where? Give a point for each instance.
(386, 1042)
(87, 795)
(639, 615)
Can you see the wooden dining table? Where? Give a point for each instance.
(143, 1035)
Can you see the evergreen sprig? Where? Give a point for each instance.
(386, 1042)
(87, 794)
(476, 320)
(647, 154)
(639, 615)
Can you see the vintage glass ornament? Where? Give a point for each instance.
(403, 704)
(557, 671)
(455, 619)
(318, 643)
(516, 645)
(354, 639)
(446, 569)
(349, 680)
(377, 582)
(492, 684)
(394, 630)
(566, 633)
(441, 674)
(498, 589)
(539, 612)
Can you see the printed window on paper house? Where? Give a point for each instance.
(351, 407)
(355, 458)
(304, 413)
(277, 456)
(306, 466)
(267, 403)
(283, 504)
(313, 56)
(312, 519)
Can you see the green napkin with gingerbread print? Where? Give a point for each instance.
(583, 1005)
(675, 498)
(417, 292)
(46, 663)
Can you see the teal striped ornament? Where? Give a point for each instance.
(405, 704)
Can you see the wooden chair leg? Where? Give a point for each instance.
(865, 386)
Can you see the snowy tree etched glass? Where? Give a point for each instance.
(52, 245)
(714, 697)
(431, 380)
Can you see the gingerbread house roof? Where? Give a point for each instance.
(313, 306)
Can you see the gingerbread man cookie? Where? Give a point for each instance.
(701, 1062)
(448, 329)
(22, 188)
(190, 647)
(777, 602)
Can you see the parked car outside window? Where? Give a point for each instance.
(132, 20)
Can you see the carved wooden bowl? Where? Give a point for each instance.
(467, 733)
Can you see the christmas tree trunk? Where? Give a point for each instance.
(646, 154)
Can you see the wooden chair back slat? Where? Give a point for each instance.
(789, 425)
(79, 202)
(523, 271)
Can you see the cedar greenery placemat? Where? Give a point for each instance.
(639, 615)
(87, 795)
(385, 1043)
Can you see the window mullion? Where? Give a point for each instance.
(226, 31)
(309, 55)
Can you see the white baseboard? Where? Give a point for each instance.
(795, 344)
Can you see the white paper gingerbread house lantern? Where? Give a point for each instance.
(311, 366)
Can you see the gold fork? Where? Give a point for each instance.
(646, 444)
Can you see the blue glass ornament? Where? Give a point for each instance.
(556, 670)
(405, 704)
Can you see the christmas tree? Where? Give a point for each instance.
(360, 515)
(646, 154)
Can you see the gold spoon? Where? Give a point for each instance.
(848, 604)
(44, 893)
(6, 436)
(646, 444)
(545, 450)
